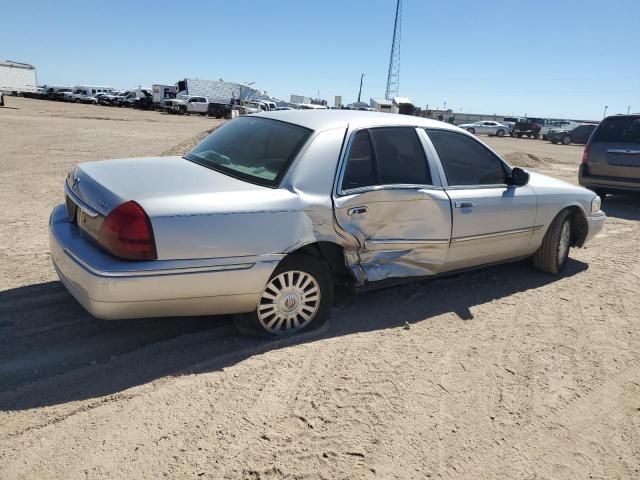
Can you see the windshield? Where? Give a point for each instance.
(258, 150)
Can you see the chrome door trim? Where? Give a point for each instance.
(503, 233)
(477, 187)
(395, 186)
(419, 241)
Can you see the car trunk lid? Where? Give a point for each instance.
(102, 186)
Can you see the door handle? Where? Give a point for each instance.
(357, 211)
(464, 204)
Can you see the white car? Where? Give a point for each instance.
(270, 211)
(487, 127)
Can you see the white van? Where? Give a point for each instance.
(81, 92)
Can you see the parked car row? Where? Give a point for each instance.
(565, 132)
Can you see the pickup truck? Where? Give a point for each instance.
(187, 104)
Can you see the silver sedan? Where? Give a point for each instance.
(487, 127)
(270, 211)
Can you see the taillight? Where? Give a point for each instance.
(585, 155)
(127, 233)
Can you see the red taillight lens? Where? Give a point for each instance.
(585, 155)
(127, 233)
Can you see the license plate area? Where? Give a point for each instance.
(624, 160)
(71, 207)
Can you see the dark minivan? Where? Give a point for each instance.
(611, 159)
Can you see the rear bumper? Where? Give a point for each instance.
(607, 183)
(110, 288)
(595, 222)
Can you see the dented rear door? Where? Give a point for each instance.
(389, 200)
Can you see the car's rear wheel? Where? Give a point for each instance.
(566, 140)
(471, 130)
(552, 255)
(500, 133)
(297, 297)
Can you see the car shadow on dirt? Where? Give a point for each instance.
(622, 206)
(52, 352)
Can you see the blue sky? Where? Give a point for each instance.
(563, 58)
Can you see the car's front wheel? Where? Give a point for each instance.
(552, 255)
(297, 297)
(566, 140)
(500, 133)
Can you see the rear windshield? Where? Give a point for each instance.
(254, 149)
(618, 130)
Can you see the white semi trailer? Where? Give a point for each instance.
(17, 77)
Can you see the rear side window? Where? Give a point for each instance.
(466, 161)
(399, 156)
(386, 156)
(360, 171)
(618, 130)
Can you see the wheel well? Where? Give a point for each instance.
(332, 254)
(579, 226)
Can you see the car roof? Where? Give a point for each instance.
(328, 119)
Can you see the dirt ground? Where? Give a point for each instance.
(499, 373)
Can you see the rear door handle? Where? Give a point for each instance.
(357, 211)
(464, 204)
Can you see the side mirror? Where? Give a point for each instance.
(519, 177)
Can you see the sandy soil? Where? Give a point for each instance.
(500, 373)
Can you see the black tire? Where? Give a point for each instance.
(519, 135)
(549, 258)
(500, 133)
(565, 140)
(555, 142)
(250, 323)
(471, 130)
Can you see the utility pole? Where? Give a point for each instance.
(605, 111)
(360, 91)
(628, 109)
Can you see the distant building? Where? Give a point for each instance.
(381, 105)
(297, 99)
(337, 101)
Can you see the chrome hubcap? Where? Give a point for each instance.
(289, 302)
(565, 240)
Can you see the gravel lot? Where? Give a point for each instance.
(500, 373)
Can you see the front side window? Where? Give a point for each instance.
(257, 150)
(466, 161)
(386, 156)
